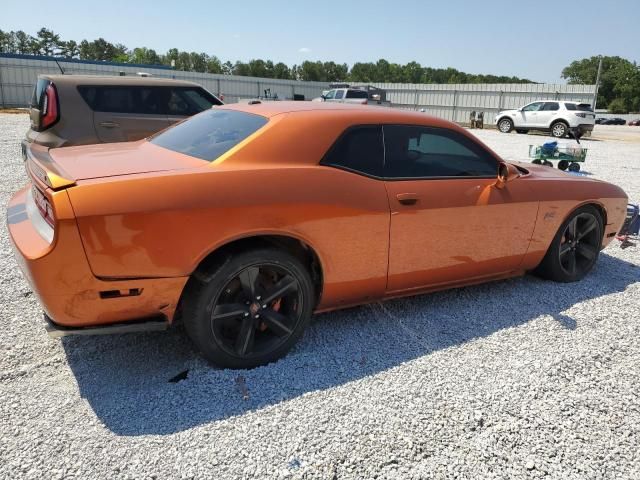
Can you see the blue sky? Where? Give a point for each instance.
(533, 39)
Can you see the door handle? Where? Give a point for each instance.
(407, 198)
(109, 124)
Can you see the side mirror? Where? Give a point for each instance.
(506, 173)
(323, 97)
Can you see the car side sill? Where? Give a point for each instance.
(146, 325)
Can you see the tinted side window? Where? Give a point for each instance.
(551, 106)
(116, 100)
(339, 94)
(357, 94)
(147, 100)
(359, 149)
(210, 134)
(417, 152)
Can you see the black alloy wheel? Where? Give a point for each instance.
(249, 308)
(575, 248)
(256, 311)
(580, 245)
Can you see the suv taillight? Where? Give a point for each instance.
(50, 111)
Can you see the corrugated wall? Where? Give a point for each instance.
(456, 101)
(451, 101)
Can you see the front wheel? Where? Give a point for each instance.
(505, 125)
(250, 309)
(559, 130)
(575, 248)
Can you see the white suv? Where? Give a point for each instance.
(552, 116)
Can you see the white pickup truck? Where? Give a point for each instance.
(361, 95)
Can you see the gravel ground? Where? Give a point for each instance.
(515, 379)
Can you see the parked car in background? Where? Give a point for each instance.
(71, 110)
(614, 121)
(634, 123)
(556, 117)
(600, 120)
(227, 221)
(364, 95)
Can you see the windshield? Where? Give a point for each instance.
(209, 134)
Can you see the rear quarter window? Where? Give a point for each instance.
(209, 134)
(357, 94)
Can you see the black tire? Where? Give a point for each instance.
(264, 299)
(575, 248)
(505, 125)
(547, 163)
(559, 129)
(537, 161)
(519, 130)
(574, 167)
(563, 164)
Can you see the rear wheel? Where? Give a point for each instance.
(505, 125)
(575, 248)
(574, 167)
(559, 129)
(251, 309)
(563, 164)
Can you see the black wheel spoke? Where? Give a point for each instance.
(571, 265)
(276, 322)
(564, 248)
(246, 334)
(284, 285)
(586, 251)
(573, 226)
(588, 228)
(248, 279)
(228, 310)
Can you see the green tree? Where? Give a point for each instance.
(214, 65)
(280, 70)
(48, 42)
(70, 49)
(619, 79)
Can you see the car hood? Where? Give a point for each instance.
(114, 159)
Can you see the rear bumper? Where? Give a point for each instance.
(585, 128)
(60, 277)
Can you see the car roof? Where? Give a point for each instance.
(371, 113)
(116, 80)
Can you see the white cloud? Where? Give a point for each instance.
(304, 50)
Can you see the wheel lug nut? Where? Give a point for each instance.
(246, 314)
(264, 306)
(258, 297)
(257, 315)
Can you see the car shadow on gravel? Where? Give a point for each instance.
(126, 378)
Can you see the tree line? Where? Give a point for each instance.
(619, 88)
(47, 42)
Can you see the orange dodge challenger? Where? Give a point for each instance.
(245, 219)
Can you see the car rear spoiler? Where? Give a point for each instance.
(41, 167)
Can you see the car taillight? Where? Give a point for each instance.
(581, 115)
(44, 207)
(50, 111)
